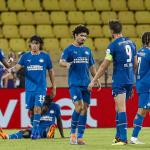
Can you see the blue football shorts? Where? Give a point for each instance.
(34, 99)
(144, 100)
(80, 93)
(122, 89)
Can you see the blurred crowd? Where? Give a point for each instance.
(12, 80)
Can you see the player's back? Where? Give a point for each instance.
(143, 71)
(123, 51)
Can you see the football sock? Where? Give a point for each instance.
(122, 126)
(74, 122)
(36, 122)
(18, 135)
(137, 125)
(117, 127)
(81, 125)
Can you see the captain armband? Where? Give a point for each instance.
(109, 57)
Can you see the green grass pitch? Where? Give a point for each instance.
(96, 139)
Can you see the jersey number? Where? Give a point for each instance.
(139, 64)
(128, 52)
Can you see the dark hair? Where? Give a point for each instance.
(37, 39)
(115, 26)
(80, 29)
(146, 38)
(47, 102)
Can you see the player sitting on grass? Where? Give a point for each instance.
(50, 111)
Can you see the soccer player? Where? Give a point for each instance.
(36, 62)
(50, 112)
(79, 61)
(142, 86)
(122, 51)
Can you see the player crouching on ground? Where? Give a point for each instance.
(47, 126)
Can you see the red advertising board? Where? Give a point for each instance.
(101, 113)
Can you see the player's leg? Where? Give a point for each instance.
(138, 121)
(119, 94)
(18, 135)
(120, 101)
(76, 96)
(83, 116)
(39, 100)
(29, 97)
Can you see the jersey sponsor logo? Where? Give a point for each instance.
(46, 118)
(34, 67)
(80, 60)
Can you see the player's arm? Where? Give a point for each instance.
(93, 70)
(60, 126)
(101, 70)
(52, 80)
(5, 63)
(64, 63)
(135, 64)
(16, 68)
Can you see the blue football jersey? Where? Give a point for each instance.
(35, 70)
(81, 60)
(1, 55)
(122, 51)
(50, 116)
(143, 71)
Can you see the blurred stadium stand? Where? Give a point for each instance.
(54, 20)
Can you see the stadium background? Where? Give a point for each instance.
(54, 20)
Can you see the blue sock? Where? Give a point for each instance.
(36, 122)
(117, 127)
(18, 135)
(74, 122)
(122, 126)
(81, 125)
(138, 121)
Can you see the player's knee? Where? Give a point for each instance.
(79, 107)
(37, 110)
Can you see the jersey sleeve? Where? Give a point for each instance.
(49, 62)
(91, 60)
(57, 109)
(110, 52)
(65, 55)
(21, 60)
(1, 55)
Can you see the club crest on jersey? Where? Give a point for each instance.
(86, 52)
(74, 97)
(41, 60)
(51, 111)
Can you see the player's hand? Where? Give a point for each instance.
(99, 85)
(69, 64)
(53, 92)
(91, 85)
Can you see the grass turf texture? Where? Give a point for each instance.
(96, 139)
